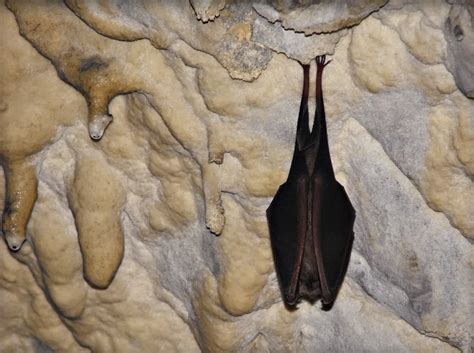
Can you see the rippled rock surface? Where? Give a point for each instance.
(133, 133)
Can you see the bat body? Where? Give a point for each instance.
(311, 218)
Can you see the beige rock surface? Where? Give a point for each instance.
(323, 16)
(119, 253)
(20, 197)
(207, 10)
(96, 197)
(458, 31)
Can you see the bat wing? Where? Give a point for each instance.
(311, 218)
(287, 218)
(332, 226)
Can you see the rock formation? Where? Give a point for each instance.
(133, 133)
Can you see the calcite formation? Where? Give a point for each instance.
(133, 132)
(207, 10)
(96, 197)
(313, 16)
(459, 30)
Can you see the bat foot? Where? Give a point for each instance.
(321, 61)
(303, 65)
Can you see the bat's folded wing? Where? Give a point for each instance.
(287, 222)
(333, 220)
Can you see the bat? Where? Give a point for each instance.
(311, 218)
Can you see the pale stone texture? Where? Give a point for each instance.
(459, 32)
(207, 10)
(204, 118)
(96, 197)
(295, 45)
(313, 16)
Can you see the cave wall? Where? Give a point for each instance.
(141, 143)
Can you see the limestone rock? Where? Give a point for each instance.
(317, 16)
(119, 253)
(164, 22)
(295, 45)
(459, 33)
(207, 10)
(95, 198)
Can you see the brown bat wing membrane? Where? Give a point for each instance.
(287, 219)
(333, 220)
(311, 218)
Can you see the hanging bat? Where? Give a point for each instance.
(311, 218)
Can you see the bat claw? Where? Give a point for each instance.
(321, 61)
